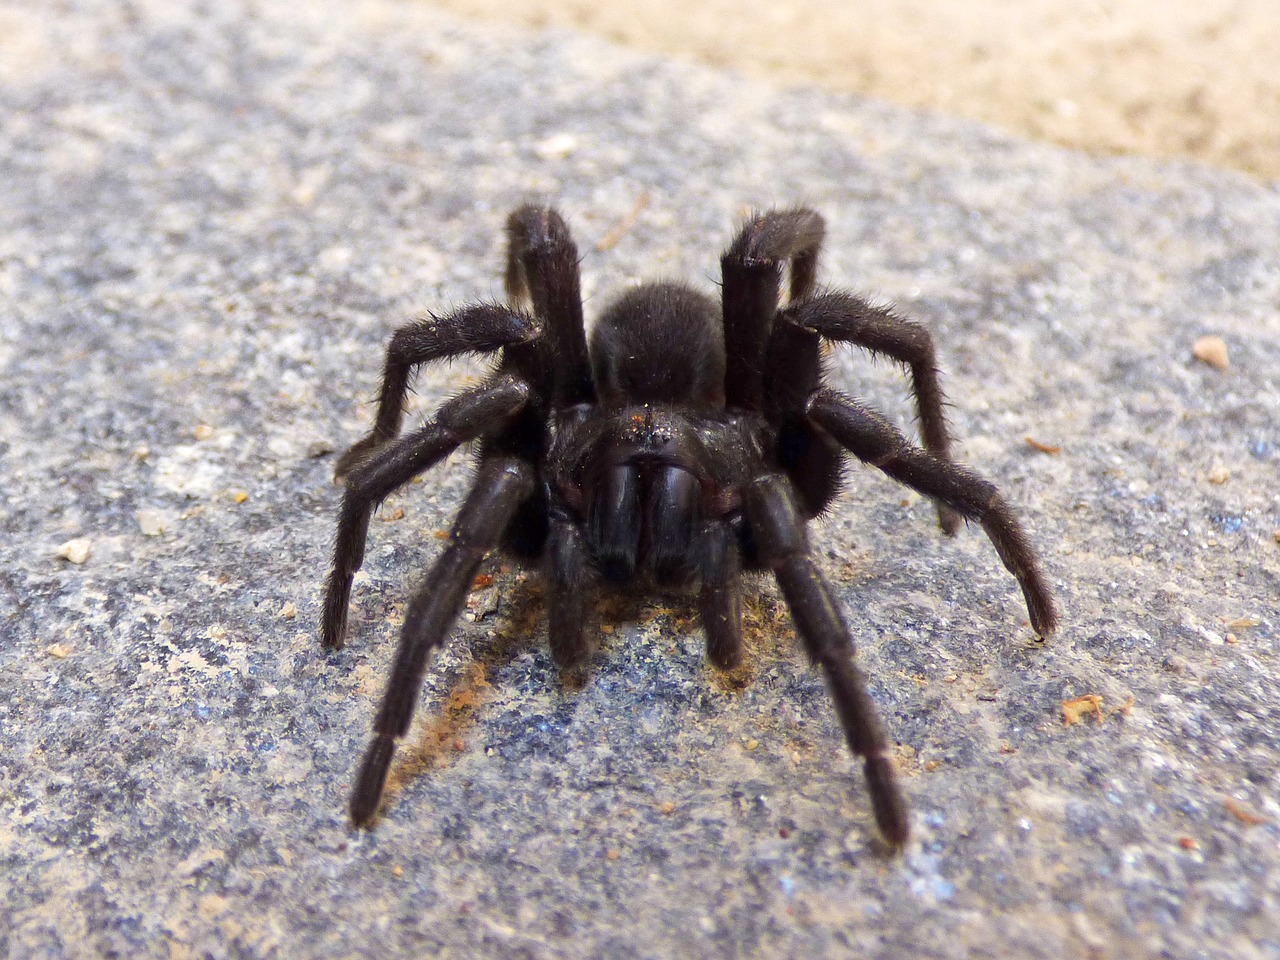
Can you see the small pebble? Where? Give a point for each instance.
(556, 147)
(152, 523)
(75, 551)
(1219, 475)
(1211, 350)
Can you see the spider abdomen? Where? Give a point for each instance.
(659, 343)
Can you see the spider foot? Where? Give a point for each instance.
(337, 603)
(371, 779)
(333, 627)
(887, 802)
(1043, 611)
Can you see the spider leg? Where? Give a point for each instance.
(482, 328)
(501, 485)
(542, 269)
(459, 420)
(751, 270)
(720, 597)
(568, 578)
(780, 536)
(850, 319)
(874, 440)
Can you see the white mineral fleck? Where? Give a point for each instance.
(152, 523)
(76, 551)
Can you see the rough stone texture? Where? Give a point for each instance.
(210, 219)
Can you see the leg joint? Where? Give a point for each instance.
(775, 521)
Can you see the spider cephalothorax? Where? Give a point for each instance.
(691, 442)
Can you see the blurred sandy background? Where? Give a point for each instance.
(1192, 78)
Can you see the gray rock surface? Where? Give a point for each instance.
(212, 216)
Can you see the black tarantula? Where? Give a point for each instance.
(689, 443)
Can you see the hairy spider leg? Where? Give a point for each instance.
(459, 420)
(567, 567)
(814, 463)
(501, 485)
(483, 328)
(542, 273)
(543, 367)
(751, 272)
(850, 319)
(720, 595)
(874, 440)
(542, 269)
(780, 535)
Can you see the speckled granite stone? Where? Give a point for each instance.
(212, 216)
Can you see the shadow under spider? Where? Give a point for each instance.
(767, 635)
(442, 735)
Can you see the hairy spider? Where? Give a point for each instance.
(689, 443)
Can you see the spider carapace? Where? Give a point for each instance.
(689, 444)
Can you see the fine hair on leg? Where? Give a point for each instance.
(482, 328)
(720, 596)
(542, 270)
(751, 273)
(846, 318)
